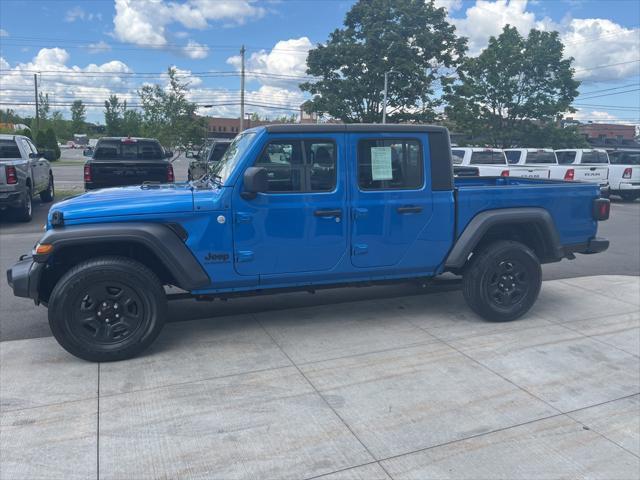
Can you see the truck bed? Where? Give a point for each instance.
(568, 203)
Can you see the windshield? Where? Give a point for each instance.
(229, 160)
(218, 152)
(594, 157)
(129, 149)
(487, 158)
(457, 156)
(9, 149)
(541, 157)
(625, 158)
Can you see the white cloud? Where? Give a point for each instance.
(613, 43)
(99, 47)
(450, 5)
(195, 50)
(144, 22)
(3, 33)
(283, 65)
(78, 13)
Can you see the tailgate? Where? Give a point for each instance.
(591, 173)
(529, 172)
(128, 173)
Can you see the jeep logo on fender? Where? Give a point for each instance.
(217, 257)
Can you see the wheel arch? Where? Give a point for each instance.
(533, 227)
(158, 246)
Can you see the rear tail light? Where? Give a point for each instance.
(601, 208)
(170, 176)
(11, 175)
(505, 173)
(570, 174)
(87, 173)
(627, 173)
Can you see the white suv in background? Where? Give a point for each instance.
(624, 174)
(584, 164)
(531, 162)
(483, 162)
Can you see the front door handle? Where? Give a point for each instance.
(328, 213)
(409, 209)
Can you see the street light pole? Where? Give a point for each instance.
(384, 100)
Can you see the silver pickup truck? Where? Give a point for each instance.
(24, 173)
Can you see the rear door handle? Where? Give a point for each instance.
(328, 213)
(409, 209)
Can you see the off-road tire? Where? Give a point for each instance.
(76, 296)
(502, 281)
(47, 195)
(24, 212)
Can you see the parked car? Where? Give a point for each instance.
(584, 164)
(209, 155)
(483, 162)
(119, 161)
(286, 209)
(624, 174)
(24, 173)
(530, 162)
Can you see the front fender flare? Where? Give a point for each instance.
(483, 221)
(161, 239)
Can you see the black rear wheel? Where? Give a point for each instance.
(24, 213)
(502, 281)
(48, 194)
(108, 308)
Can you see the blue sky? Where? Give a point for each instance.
(89, 48)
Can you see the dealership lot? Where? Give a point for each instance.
(407, 387)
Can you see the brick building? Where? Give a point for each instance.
(601, 132)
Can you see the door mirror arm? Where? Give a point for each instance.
(255, 181)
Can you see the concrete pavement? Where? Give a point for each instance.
(405, 388)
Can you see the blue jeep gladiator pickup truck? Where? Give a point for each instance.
(301, 207)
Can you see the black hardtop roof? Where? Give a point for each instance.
(352, 127)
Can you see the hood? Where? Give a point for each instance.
(126, 201)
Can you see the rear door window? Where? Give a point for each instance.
(9, 149)
(540, 157)
(390, 164)
(566, 158)
(487, 158)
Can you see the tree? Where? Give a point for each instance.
(43, 106)
(41, 140)
(78, 116)
(113, 115)
(515, 89)
(51, 143)
(411, 38)
(169, 115)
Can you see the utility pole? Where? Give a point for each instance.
(242, 89)
(35, 84)
(384, 100)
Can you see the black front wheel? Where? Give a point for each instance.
(502, 281)
(48, 194)
(107, 308)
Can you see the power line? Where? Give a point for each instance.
(610, 94)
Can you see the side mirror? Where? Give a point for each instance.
(87, 152)
(34, 155)
(168, 153)
(255, 181)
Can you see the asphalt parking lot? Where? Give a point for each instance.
(410, 387)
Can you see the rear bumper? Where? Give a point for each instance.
(10, 199)
(595, 245)
(24, 278)
(629, 186)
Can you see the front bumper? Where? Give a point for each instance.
(24, 278)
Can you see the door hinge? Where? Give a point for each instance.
(243, 217)
(359, 212)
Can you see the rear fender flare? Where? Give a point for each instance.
(483, 221)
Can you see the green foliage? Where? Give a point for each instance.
(168, 115)
(51, 143)
(131, 123)
(41, 140)
(43, 106)
(114, 111)
(412, 38)
(24, 132)
(78, 117)
(515, 90)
